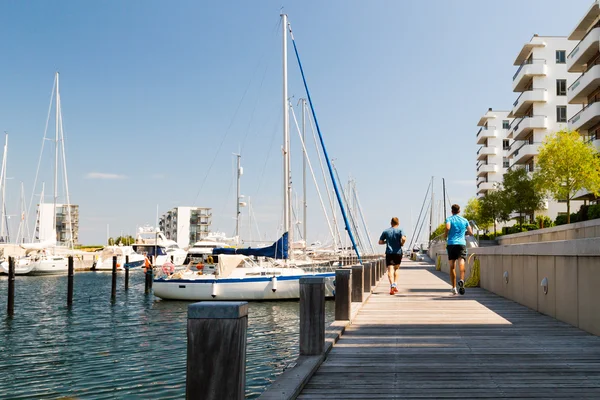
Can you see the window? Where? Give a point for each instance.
(561, 56)
(561, 113)
(561, 87)
(505, 144)
(505, 162)
(505, 124)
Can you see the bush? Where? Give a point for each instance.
(543, 221)
(594, 211)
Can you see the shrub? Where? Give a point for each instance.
(594, 211)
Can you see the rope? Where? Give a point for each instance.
(312, 109)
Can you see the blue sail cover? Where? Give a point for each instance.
(278, 250)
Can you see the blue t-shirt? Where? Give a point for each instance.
(458, 227)
(393, 240)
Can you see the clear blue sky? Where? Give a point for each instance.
(150, 91)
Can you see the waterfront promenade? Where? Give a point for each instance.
(424, 343)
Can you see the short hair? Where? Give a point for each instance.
(395, 221)
(455, 208)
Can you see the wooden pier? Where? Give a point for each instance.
(424, 343)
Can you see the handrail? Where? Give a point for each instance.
(483, 128)
(527, 62)
(526, 91)
(576, 83)
(582, 110)
(572, 53)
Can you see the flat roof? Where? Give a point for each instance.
(586, 22)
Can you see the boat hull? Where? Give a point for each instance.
(106, 265)
(236, 289)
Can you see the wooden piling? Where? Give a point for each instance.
(367, 278)
(343, 294)
(10, 305)
(70, 283)
(312, 316)
(373, 274)
(126, 266)
(113, 289)
(357, 283)
(216, 350)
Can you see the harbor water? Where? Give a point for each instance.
(134, 348)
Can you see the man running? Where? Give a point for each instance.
(393, 238)
(456, 226)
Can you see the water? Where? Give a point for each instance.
(134, 348)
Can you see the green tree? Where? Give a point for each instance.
(472, 212)
(520, 194)
(438, 231)
(494, 207)
(566, 165)
(111, 241)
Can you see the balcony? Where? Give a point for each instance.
(583, 52)
(523, 152)
(483, 152)
(587, 83)
(526, 99)
(484, 169)
(483, 187)
(526, 72)
(485, 133)
(586, 118)
(520, 128)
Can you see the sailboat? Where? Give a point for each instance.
(233, 273)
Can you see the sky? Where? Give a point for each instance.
(156, 97)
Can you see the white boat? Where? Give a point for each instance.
(48, 264)
(160, 250)
(22, 266)
(105, 260)
(235, 277)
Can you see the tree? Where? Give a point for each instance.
(472, 212)
(439, 231)
(566, 165)
(494, 207)
(520, 194)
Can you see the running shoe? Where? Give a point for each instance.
(392, 291)
(453, 291)
(461, 287)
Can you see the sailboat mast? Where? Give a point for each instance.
(286, 133)
(431, 211)
(3, 177)
(237, 206)
(304, 171)
(56, 161)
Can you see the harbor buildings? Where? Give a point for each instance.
(186, 225)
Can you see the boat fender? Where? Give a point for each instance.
(118, 265)
(214, 290)
(210, 260)
(200, 266)
(274, 281)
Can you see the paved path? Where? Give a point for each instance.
(424, 343)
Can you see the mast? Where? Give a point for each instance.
(56, 161)
(286, 134)
(3, 177)
(237, 210)
(431, 212)
(304, 172)
(444, 188)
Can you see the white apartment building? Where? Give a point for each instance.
(542, 108)
(186, 225)
(492, 157)
(584, 92)
(44, 232)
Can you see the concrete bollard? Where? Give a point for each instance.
(216, 350)
(367, 278)
(70, 283)
(126, 266)
(357, 282)
(343, 294)
(10, 304)
(312, 316)
(113, 288)
(373, 274)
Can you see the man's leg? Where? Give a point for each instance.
(452, 273)
(462, 268)
(390, 274)
(397, 274)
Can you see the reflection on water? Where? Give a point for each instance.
(134, 348)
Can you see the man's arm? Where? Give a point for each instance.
(381, 241)
(469, 230)
(382, 238)
(447, 230)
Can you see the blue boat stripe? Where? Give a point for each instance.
(242, 280)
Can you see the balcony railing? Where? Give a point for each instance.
(528, 62)
(576, 117)
(527, 91)
(485, 129)
(576, 49)
(589, 67)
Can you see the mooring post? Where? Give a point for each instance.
(357, 282)
(113, 288)
(312, 316)
(343, 294)
(126, 266)
(10, 305)
(70, 283)
(367, 278)
(373, 274)
(216, 350)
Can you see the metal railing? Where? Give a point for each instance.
(576, 117)
(589, 68)
(529, 61)
(485, 129)
(482, 165)
(526, 91)
(576, 49)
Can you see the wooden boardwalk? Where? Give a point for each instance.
(424, 343)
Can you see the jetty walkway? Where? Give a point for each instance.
(424, 343)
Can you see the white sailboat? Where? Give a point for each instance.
(231, 276)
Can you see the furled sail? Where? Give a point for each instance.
(278, 250)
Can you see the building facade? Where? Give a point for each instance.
(67, 223)
(492, 157)
(186, 225)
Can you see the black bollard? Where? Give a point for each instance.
(10, 306)
(343, 294)
(367, 277)
(312, 316)
(357, 283)
(70, 283)
(113, 290)
(216, 350)
(126, 266)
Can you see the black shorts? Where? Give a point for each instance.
(456, 251)
(393, 259)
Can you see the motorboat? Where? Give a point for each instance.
(153, 244)
(123, 254)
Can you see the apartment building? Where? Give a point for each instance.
(584, 92)
(67, 223)
(542, 80)
(492, 157)
(186, 225)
